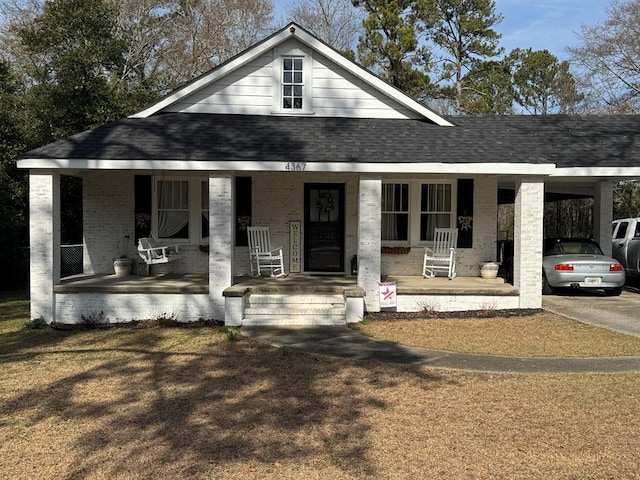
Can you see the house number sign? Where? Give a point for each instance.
(295, 166)
(294, 242)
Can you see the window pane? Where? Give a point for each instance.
(204, 195)
(297, 90)
(395, 208)
(288, 77)
(430, 221)
(288, 63)
(287, 90)
(395, 226)
(286, 103)
(297, 103)
(173, 208)
(622, 230)
(297, 64)
(173, 224)
(435, 198)
(297, 77)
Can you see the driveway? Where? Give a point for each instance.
(621, 314)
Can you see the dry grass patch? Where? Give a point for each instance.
(540, 335)
(189, 404)
(175, 403)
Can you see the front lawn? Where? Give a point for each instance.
(190, 404)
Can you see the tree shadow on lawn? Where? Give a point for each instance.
(189, 413)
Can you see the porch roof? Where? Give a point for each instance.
(567, 141)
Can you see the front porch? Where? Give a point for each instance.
(299, 299)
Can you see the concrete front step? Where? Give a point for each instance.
(294, 299)
(294, 309)
(279, 321)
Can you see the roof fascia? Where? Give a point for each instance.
(621, 172)
(295, 31)
(286, 167)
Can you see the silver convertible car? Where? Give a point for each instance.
(579, 263)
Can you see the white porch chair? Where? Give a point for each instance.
(152, 253)
(442, 257)
(261, 255)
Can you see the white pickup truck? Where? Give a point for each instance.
(626, 244)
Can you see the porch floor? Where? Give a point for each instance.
(199, 283)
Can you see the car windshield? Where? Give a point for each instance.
(573, 247)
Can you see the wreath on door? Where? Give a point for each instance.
(325, 204)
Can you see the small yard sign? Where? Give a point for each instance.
(388, 297)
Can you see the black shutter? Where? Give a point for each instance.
(464, 217)
(243, 210)
(142, 206)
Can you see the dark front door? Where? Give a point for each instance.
(324, 227)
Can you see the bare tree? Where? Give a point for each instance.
(336, 22)
(168, 42)
(609, 59)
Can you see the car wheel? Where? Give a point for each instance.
(613, 292)
(546, 288)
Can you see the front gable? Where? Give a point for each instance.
(324, 84)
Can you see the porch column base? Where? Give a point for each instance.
(354, 306)
(233, 311)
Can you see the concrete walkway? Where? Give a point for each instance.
(344, 342)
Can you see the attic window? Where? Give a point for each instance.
(292, 83)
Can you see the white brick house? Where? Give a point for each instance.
(267, 135)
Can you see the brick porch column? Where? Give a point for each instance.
(220, 240)
(603, 215)
(528, 238)
(369, 239)
(44, 241)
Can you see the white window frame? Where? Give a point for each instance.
(415, 192)
(305, 55)
(399, 212)
(195, 185)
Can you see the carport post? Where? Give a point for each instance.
(528, 233)
(603, 215)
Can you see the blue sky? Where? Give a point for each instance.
(539, 24)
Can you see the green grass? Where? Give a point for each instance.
(14, 310)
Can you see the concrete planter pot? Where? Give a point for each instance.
(123, 266)
(489, 269)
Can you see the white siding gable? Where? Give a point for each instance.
(253, 89)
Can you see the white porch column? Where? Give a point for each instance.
(44, 240)
(528, 238)
(603, 215)
(369, 239)
(220, 240)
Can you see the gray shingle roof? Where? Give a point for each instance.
(568, 141)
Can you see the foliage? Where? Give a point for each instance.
(14, 258)
(609, 59)
(626, 199)
(231, 333)
(464, 32)
(488, 89)
(390, 43)
(335, 22)
(35, 324)
(543, 85)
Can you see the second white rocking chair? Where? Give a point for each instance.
(443, 254)
(261, 255)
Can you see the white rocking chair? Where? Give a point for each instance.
(152, 253)
(261, 255)
(443, 254)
